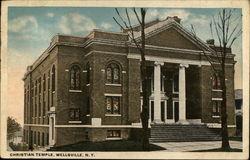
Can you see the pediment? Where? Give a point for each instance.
(175, 36)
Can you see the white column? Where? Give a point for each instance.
(182, 93)
(157, 92)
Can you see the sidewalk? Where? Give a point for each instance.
(195, 146)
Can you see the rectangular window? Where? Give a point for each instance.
(47, 138)
(34, 137)
(27, 136)
(113, 105)
(44, 83)
(216, 82)
(44, 105)
(74, 114)
(216, 108)
(176, 83)
(40, 85)
(35, 110)
(113, 134)
(38, 139)
(43, 139)
(24, 136)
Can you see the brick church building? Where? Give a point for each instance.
(88, 88)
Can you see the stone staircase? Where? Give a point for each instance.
(182, 133)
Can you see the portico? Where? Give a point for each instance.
(158, 99)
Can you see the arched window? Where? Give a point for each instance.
(44, 82)
(113, 74)
(48, 91)
(53, 78)
(75, 77)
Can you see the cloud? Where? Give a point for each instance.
(26, 27)
(183, 14)
(75, 23)
(50, 15)
(199, 19)
(106, 25)
(152, 14)
(23, 24)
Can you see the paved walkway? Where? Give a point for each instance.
(195, 146)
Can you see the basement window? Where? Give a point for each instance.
(113, 134)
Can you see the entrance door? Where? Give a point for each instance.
(176, 111)
(152, 110)
(162, 111)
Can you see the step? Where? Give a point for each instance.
(182, 133)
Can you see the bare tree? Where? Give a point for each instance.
(226, 28)
(125, 24)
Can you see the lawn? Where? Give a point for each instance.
(119, 145)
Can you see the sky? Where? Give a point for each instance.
(30, 30)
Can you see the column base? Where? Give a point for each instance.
(169, 121)
(183, 121)
(158, 121)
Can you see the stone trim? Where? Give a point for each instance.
(104, 52)
(217, 125)
(217, 90)
(78, 91)
(74, 121)
(114, 138)
(113, 115)
(215, 116)
(217, 99)
(112, 94)
(102, 126)
(108, 84)
(37, 125)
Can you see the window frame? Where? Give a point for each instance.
(216, 82)
(75, 69)
(53, 78)
(112, 105)
(113, 134)
(74, 110)
(112, 69)
(218, 104)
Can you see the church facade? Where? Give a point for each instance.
(89, 89)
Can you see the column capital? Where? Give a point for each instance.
(184, 65)
(158, 63)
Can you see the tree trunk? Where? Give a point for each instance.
(145, 105)
(224, 131)
(145, 116)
